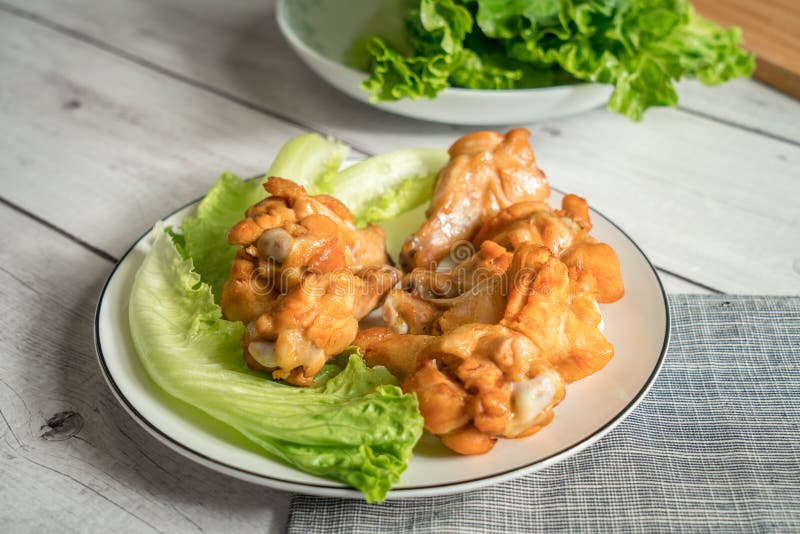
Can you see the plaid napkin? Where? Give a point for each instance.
(715, 445)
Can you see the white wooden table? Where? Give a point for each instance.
(115, 113)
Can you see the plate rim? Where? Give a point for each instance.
(341, 490)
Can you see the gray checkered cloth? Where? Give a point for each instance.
(714, 446)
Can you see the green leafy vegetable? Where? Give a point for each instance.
(376, 189)
(356, 427)
(384, 186)
(205, 233)
(389, 187)
(306, 159)
(642, 47)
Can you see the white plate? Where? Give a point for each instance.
(321, 32)
(637, 325)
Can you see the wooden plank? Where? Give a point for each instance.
(771, 30)
(713, 204)
(110, 476)
(691, 191)
(103, 147)
(747, 103)
(236, 47)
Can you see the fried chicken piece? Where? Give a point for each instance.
(500, 377)
(487, 172)
(249, 291)
(313, 322)
(302, 278)
(565, 233)
(490, 260)
(483, 304)
(290, 203)
(550, 301)
(288, 235)
(480, 382)
(409, 313)
(597, 265)
(473, 384)
(538, 223)
(397, 352)
(435, 302)
(557, 313)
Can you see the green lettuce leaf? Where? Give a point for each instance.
(376, 189)
(307, 159)
(437, 31)
(384, 186)
(642, 47)
(391, 188)
(356, 427)
(205, 233)
(395, 76)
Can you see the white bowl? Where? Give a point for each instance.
(321, 32)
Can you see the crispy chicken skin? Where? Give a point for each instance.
(313, 322)
(302, 277)
(500, 364)
(480, 382)
(557, 313)
(434, 302)
(397, 352)
(565, 233)
(535, 222)
(597, 265)
(487, 172)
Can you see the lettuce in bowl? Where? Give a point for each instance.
(641, 47)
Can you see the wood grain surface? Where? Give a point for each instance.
(72, 460)
(771, 30)
(115, 113)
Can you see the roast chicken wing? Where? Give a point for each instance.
(314, 321)
(565, 233)
(432, 302)
(408, 313)
(473, 384)
(500, 365)
(302, 278)
(490, 260)
(557, 313)
(551, 302)
(487, 172)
